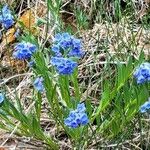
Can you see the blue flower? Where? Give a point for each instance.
(67, 45)
(55, 48)
(38, 84)
(24, 50)
(64, 66)
(142, 73)
(76, 48)
(76, 53)
(6, 19)
(77, 117)
(145, 107)
(83, 119)
(71, 121)
(66, 41)
(1, 98)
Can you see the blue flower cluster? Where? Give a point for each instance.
(38, 84)
(145, 107)
(24, 50)
(142, 73)
(64, 47)
(64, 66)
(67, 45)
(6, 19)
(77, 117)
(1, 98)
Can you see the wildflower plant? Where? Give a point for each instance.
(55, 80)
